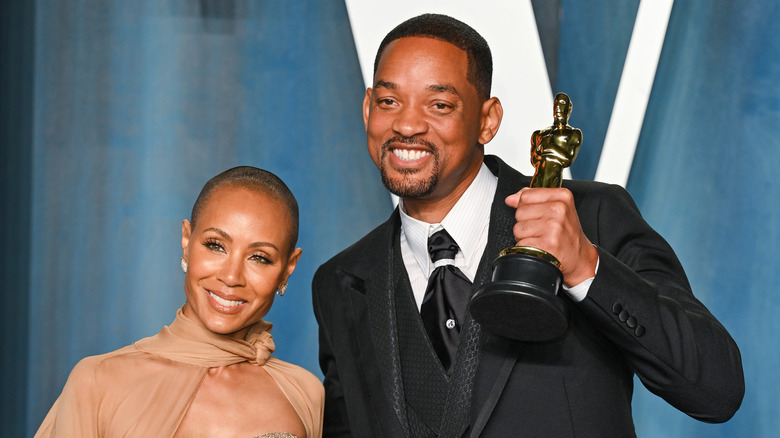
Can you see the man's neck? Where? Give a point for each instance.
(433, 209)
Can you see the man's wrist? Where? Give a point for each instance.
(579, 291)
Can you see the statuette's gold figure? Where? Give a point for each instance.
(555, 147)
(521, 301)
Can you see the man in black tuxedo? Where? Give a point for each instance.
(631, 310)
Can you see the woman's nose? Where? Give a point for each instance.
(232, 271)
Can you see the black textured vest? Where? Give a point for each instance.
(437, 405)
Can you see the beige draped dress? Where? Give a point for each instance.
(144, 389)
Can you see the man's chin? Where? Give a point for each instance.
(409, 189)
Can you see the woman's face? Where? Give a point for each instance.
(238, 255)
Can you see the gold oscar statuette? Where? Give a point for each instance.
(521, 302)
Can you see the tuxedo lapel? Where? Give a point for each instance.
(367, 280)
(498, 354)
(380, 300)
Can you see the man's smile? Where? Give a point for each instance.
(410, 154)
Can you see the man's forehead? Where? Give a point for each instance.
(426, 55)
(424, 44)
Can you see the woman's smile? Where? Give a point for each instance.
(224, 305)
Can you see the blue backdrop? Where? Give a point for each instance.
(113, 115)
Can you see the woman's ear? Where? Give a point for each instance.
(291, 262)
(186, 230)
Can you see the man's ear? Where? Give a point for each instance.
(490, 119)
(366, 107)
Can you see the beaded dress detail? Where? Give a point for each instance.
(276, 435)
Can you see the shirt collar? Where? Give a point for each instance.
(464, 222)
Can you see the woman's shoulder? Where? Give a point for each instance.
(92, 366)
(93, 377)
(121, 367)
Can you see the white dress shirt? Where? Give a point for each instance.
(468, 223)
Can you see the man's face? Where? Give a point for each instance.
(423, 120)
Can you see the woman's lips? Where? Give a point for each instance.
(224, 304)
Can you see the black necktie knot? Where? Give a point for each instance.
(442, 246)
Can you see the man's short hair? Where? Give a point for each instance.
(455, 32)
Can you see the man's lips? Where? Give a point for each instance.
(409, 148)
(409, 154)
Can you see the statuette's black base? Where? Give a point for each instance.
(521, 303)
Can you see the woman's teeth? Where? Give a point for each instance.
(225, 302)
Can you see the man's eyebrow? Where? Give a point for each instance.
(443, 89)
(385, 84)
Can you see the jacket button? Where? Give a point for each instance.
(623, 316)
(631, 322)
(616, 308)
(639, 330)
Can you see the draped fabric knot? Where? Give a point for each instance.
(191, 342)
(446, 298)
(262, 342)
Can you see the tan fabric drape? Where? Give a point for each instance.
(144, 389)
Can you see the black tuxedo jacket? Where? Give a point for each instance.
(639, 317)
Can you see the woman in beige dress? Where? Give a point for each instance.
(210, 373)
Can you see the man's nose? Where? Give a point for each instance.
(410, 121)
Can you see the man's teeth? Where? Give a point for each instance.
(223, 301)
(409, 155)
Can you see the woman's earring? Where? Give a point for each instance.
(183, 265)
(282, 290)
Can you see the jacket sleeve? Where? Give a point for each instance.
(641, 300)
(336, 421)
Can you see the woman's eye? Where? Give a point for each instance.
(214, 246)
(260, 259)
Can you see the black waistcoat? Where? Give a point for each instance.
(437, 404)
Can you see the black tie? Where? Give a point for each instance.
(445, 300)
